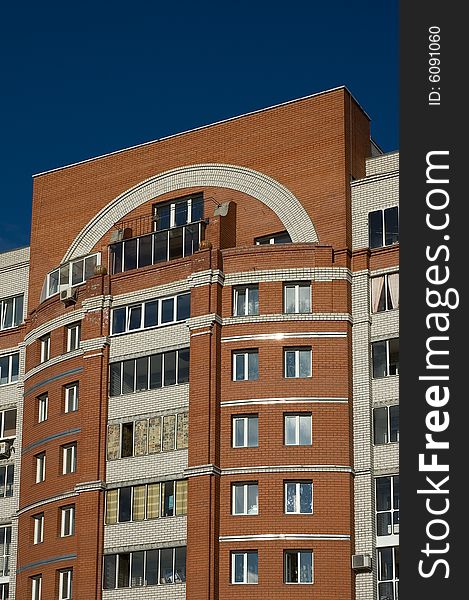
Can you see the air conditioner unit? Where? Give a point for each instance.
(68, 295)
(5, 449)
(361, 562)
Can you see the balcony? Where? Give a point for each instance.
(153, 248)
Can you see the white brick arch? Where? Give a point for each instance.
(269, 191)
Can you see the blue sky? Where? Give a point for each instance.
(82, 80)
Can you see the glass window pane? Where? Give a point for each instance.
(191, 239)
(180, 210)
(118, 320)
(290, 497)
(10, 478)
(306, 497)
(77, 272)
(253, 300)
(385, 591)
(394, 356)
(375, 229)
(290, 364)
(180, 565)
(394, 423)
(112, 497)
(181, 497)
(15, 366)
(9, 424)
(168, 499)
(137, 569)
(167, 310)
(380, 416)
(153, 501)
(4, 369)
(127, 446)
(238, 568)
(291, 567)
(290, 299)
(305, 298)
(305, 363)
(7, 316)
(239, 367)
(156, 375)
(383, 493)
(2, 481)
(306, 567)
(240, 299)
(238, 424)
(151, 567)
(166, 565)
(305, 429)
(125, 495)
(175, 243)
(252, 567)
(391, 225)
(142, 373)
(123, 570)
(385, 564)
(128, 377)
(253, 365)
(252, 432)
(151, 314)
(19, 310)
(183, 307)
(290, 429)
(90, 266)
(160, 247)
(116, 258)
(238, 507)
(145, 257)
(379, 359)
(115, 379)
(252, 499)
(383, 524)
(162, 214)
(169, 363)
(135, 317)
(130, 254)
(109, 576)
(197, 209)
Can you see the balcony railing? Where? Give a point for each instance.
(157, 247)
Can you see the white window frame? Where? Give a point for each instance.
(73, 336)
(392, 539)
(36, 587)
(297, 509)
(71, 397)
(69, 266)
(245, 554)
(395, 580)
(67, 520)
(387, 341)
(3, 310)
(9, 481)
(10, 378)
(297, 352)
(247, 291)
(383, 227)
(40, 467)
(43, 407)
(388, 425)
(69, 449)
(38, 528)
(297, 417)
(299, 553)
(245, 354)
(244, 487)
(65, 584)
(2, 424)
(45, 348)
(245, 419)
(385, 290)
(296, 287)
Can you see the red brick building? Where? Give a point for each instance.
(186, 370)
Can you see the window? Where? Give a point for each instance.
(297, 298)
(67, 520)
(38, 528)
(179, 212)
(385, 292)
(298, 429)
(388, 573)
(244, 567)
(299, 497)
(147, 436)
(385, 356)
(149, 372)
(386, 424)
(245, 498)
(43, 403)
(144, 568)
(65, 584)
(143, 502)
(161, 311)
(71, 397)
(45, 347)
(297, 362)
(9, 368)
(298, 566)
(8, 423)
(275, 238)
(7, 475)
(245, 431)
(69, 458)
(383, 227)
(36, 587)
(70, 274)
(40, 467)
(387, 505)
(5, 546)
(246, 300)
(245, 365)
(11, 313)
(73, 336)
(4, 591)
